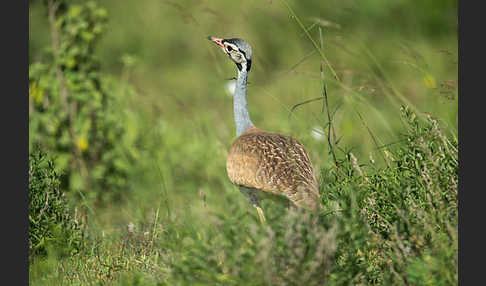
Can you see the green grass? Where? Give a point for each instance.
(390, 207)
(389, 226)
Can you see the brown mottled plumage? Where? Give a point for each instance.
(275, 164)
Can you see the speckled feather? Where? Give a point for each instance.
(275, 164)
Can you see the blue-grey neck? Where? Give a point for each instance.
(242, 117)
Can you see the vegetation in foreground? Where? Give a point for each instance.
(395, 225)
(126, 196)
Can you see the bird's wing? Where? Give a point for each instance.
(272, 163)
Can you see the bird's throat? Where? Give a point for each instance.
(242, 117)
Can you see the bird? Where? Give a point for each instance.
(265, 165)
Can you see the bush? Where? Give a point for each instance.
(77, 112)
(399, 223)
(50, 221)
(293, 248)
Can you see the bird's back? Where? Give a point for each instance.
(274, 164)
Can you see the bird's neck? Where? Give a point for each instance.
(242, 117)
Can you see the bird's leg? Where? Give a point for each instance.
(260, 214)
(253, 199)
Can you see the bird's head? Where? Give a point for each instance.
(237, 50)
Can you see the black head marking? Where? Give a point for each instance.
(248, 65)
(242, 47)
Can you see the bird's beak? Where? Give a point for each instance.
(217, 41)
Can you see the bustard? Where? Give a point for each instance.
(260, 163)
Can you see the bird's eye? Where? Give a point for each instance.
(229, 48)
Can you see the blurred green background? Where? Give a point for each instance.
(386, 53)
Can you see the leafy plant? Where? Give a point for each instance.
(76, 111)
(51, 223)
(399, 224)
(293, 249)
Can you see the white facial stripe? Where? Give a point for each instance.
(231, 47)
(237, 56)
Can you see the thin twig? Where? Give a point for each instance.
(64, 93)
(372, 137)
(308, 55)
(301, 103)
(325, 103)
(55, 47)
(311, 39)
